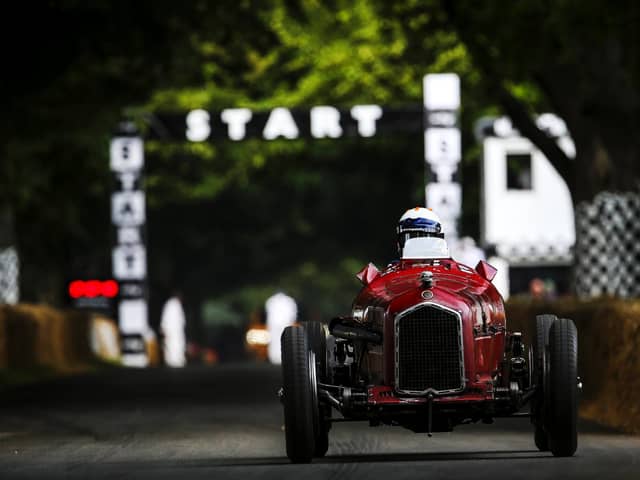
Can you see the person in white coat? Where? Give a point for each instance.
(281, 311)
(172, 325)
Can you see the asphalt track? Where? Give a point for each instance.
(225, 422)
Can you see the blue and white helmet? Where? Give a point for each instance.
(418, 222)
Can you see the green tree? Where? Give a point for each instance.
(80, 66)
(68, 78)
(283, 209)
(582, 57)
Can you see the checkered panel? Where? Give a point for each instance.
(9, 266)
(608, 246)
(541, 252)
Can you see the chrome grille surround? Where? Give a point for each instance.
(459, 379)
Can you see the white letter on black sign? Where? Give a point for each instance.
(366, 115)
(127, 154)
(128, 208)
(280, 123)
(442, 145)
(236, 118)
(129, 262)
(325, 122)
(198, 127)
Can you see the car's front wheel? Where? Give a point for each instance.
(317, 340)
(540, 377)
(300, 395)
(562, 410)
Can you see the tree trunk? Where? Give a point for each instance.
(600, 106)
(588, 81)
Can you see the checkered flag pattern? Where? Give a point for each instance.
(541, 252)
(607, 247)
(9, 292)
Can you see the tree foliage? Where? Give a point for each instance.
(583, 58)
(257, 215)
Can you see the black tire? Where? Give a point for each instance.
(562, 410)
(543, 324)
(541, 439)
(300, 409)
(317, 341)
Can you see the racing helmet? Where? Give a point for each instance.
(418, 222)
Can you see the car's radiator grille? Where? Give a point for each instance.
(428, 350)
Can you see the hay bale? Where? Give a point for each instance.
(77, 333)
(39, 335)
(20, 335)
(4, 353)
(153, 350)
(608, 360)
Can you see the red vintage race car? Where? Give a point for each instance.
(426, 347)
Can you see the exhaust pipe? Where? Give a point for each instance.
(354, 333)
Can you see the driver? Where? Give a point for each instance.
(420, 235)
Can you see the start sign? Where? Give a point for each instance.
(129, 254)
(323, 121)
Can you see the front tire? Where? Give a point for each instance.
(563, 388)
(317, 340)
(300, 405)
(543, 325)
(541, 400)
(541, 439)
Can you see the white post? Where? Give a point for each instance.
(128, 214)
(442, 151)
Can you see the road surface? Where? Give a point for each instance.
(225, 422)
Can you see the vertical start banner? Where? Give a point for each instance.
(442, 148)
(129, 256)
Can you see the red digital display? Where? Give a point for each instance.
(110, 288)
(93, 288)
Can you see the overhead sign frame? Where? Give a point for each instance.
(436, 119)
